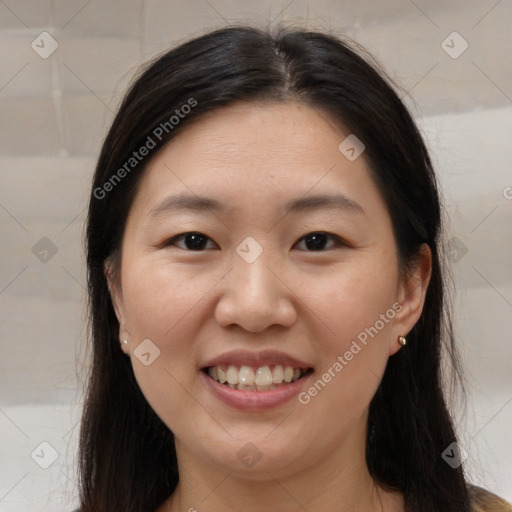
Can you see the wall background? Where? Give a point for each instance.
(54, 112)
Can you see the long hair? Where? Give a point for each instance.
(127, 457)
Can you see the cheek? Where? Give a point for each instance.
(351, 300)
(160, 303)
(159, 296)
(355, 307)
(167, 380)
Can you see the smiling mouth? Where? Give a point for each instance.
(262, 378)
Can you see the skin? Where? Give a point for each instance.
(195, 305)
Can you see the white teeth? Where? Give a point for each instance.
(263, 376)
(232, 375)
(246, 376)
(277, 374)
(288, 374)
(259, 379)
(222, 375)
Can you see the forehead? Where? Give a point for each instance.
(259, 154)
(245, 130)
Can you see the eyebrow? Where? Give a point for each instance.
(196, 203)
(305, 204)
(181, 202)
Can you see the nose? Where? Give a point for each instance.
(255, 297)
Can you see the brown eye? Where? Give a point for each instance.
(192, 241)
(319, 241)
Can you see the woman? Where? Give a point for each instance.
(267, 294)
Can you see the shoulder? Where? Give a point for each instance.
(485, 501)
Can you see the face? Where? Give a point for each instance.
(256, 252)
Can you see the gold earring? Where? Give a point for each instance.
(402, 341)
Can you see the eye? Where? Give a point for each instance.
(191, 241)
(318, 241)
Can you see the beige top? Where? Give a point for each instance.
(485, 501)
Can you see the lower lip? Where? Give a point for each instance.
(255, 400)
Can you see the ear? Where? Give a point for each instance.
(411, 296)
(116, 296)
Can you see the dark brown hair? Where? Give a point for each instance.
(127, 457)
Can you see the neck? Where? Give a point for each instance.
(339, 482)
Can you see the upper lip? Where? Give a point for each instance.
(255, 359)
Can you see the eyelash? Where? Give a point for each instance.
(338, 242)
